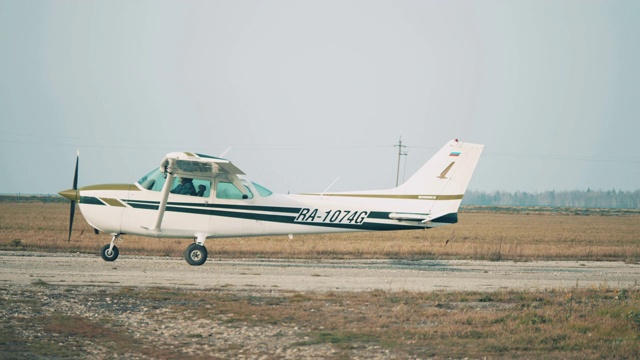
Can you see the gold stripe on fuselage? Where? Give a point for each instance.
(112, 202)
(402, 197)
(122, 187)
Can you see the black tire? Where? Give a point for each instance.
(107, 255)
(195, 254)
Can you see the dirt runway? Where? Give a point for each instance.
(313, 275)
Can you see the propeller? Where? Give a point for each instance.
(72, 210)
(72, 194)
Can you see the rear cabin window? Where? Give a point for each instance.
(264, 192)
(226, 190)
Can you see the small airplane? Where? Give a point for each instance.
(201, 197)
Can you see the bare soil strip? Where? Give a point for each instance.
(314, 275)
(81, 307)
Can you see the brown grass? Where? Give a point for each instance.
(597, 323)
(588, 323)
(556, 324)
(571, 324)
(483, 235)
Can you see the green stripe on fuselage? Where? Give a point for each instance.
(151, 204)
(90, 200)
(287, 215)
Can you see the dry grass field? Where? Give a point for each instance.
(480, 235)
(55, 321)
(127, 323)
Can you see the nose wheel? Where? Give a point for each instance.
(195, 254)
(110, 252)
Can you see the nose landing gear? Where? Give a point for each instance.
(110, 252)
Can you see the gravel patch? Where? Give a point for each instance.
(137, 327)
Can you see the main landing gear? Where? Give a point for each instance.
(196, 253)
(110, 252)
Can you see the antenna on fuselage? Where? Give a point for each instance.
(225, 152)
(329, 187)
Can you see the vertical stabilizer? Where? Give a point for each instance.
(445, 177)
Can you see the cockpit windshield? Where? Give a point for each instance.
(153, 181)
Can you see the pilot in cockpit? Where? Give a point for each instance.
(185, 187)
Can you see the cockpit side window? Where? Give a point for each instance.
(155, 180)
(191, 187)
(203, 187)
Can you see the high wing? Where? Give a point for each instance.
(192, 164)
(188, 164)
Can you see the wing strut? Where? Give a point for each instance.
(166, 189)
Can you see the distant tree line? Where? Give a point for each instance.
(615, 199)
(610, 199)
(29, 198)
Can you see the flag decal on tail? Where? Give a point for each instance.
(455, 153)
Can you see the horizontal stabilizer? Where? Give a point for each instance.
(409, 217)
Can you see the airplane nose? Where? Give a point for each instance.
(70, 194)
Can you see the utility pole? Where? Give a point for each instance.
(400, 154)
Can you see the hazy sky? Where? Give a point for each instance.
(306, 91)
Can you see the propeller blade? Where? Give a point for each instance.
(72, 210)
(71, 214)
(75, 175)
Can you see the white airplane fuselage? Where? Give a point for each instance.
(227, 204)
(131, 209)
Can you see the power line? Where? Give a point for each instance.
(400, 154)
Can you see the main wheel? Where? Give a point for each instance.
(195, 254)
(109, 255)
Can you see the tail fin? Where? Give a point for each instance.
(433, 194)
(444, 178)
